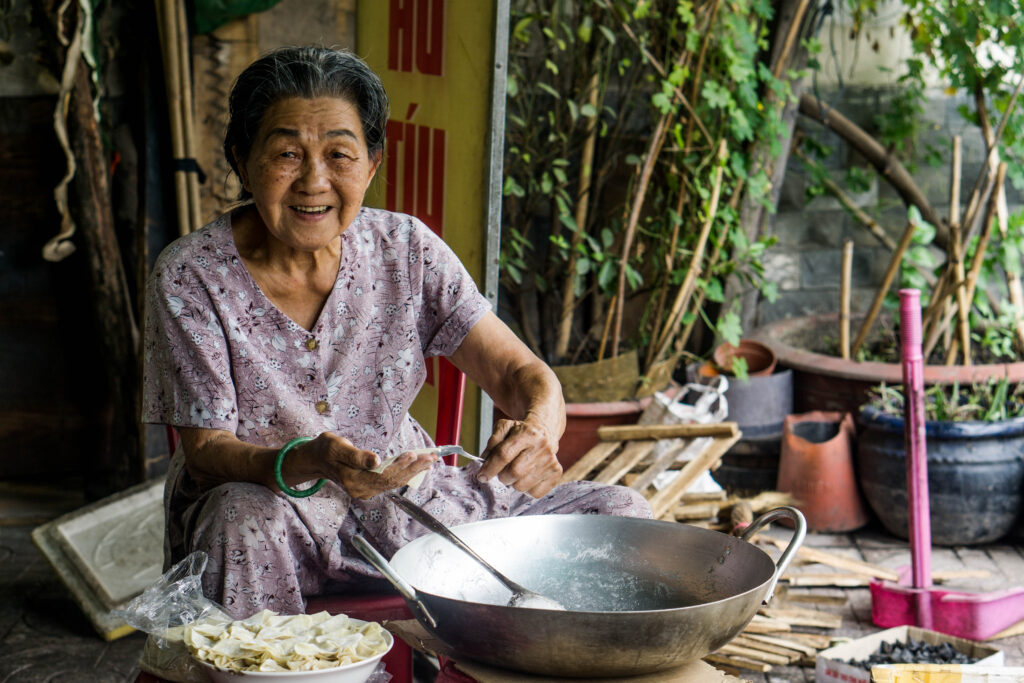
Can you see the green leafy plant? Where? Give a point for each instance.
(974, 285)
(991, 401)
(634, 132)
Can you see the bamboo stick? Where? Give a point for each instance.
(582, 205)
(653, 150)
(844, 299)
(794, 30)
(670, 259)
(979, 256)
(973, 206)
(188, 114)
(607, 326)
(890, 274)
(956, 252)
(168, 22)
(686, 288)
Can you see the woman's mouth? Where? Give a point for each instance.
(311, 210)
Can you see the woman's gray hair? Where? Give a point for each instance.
(306, 72)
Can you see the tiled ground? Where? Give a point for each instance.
(45, 639)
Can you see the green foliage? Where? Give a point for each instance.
(642, 58)
(991, 401)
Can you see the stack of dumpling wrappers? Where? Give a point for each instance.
(273, 642)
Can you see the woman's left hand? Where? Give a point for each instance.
(521, 453)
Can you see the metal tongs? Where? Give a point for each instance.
(442, 451)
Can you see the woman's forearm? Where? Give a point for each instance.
(215, 457)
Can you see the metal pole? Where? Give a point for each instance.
(495, 179)
(918, 517)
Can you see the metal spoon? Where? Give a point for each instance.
(521, 596)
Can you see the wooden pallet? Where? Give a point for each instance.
(629, 450)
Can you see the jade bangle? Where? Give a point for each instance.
(294, 493)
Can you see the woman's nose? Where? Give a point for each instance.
(313, 178)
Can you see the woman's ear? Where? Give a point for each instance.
(240, 165)
(374, 166)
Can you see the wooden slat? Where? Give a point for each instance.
(633, 453)
(682, 431)
(804, 617)
(739, 663)
(788, 653)
(840, 562)
(591, 459)
(783, 642)
(663, 500)
(704, 496)
(827, 580)
(660, 464)
(815, 640)
(763, 624)
(750, 653)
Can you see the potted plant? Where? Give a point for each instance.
(636, 134)
(966, 263)
(975, 437)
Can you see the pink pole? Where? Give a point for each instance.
(919, 519)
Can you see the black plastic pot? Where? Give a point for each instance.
(975, 473)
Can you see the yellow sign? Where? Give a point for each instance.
(437, 60)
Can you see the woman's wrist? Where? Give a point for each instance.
(291, 449)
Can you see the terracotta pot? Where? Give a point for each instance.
(823, 382)
(583, 419)
(816, 466)
(760, 357)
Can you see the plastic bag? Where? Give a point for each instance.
(692, 403)
(163, 610)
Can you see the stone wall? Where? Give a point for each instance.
(806, 261)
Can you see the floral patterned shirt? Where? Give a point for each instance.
(220, 355)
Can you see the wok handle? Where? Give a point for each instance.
(799, 532)
(407, 591)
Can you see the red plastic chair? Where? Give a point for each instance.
(451, 387)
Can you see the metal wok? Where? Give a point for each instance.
(643, 595)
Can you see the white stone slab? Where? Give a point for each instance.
(83, 584)
(118, 547)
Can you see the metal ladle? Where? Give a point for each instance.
(521, 596)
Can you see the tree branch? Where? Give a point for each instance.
(878, 156)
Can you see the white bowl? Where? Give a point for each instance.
(357, 672)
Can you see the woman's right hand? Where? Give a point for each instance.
(336, 458)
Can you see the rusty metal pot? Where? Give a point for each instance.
(643, 595)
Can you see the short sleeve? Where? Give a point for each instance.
(186, 377)
(451, 302)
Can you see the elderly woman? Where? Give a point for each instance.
(302, 313)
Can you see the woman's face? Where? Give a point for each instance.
(308, 170)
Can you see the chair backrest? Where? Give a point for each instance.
(451, 389)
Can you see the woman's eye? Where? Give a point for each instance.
(339, 155)
(289, 155)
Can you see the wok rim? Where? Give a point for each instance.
(422, 540)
